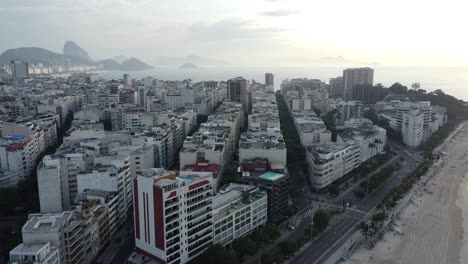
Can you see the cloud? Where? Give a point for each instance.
(232, 29)
(281, 12)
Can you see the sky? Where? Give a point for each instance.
(247, 32)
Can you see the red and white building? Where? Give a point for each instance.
(173, 215)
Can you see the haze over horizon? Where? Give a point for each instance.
(247, 33)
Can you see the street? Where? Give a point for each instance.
(341, 230)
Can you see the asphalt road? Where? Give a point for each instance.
(341, 230)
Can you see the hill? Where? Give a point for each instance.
(39, 55)
(128, 65)
(188, 66)
(73, 54)
(72, 49)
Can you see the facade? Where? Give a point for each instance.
(173, 215)
(53, 185)
(352, 77)
(412, 128)
(237, 91)
(329, 162)
(269, 79)
(337, 87)
(276, 185)
(267, 143)
(39, 253)
(19, 69)
(348, 110)
(238, 210)
(371, 139)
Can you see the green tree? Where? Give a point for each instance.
(398, 88)
(287, 247)
(244, 246)
(272, 231)
(216, 254)
(364, 228)
(267, 259)
(259, 236)
(321, 221)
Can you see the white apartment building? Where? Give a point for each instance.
(310, 128)
(61, 230)
(412, 127)
(348, 110)
(329, 162)
(211, 153)
(190, 121)
(263, 143)
(109, 178)
(38, 253)
(162, 138)
(237, 211)
(53, 185)
(371, 139)
(173, 215)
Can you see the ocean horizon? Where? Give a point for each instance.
(452, 80)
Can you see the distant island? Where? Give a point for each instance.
(72, 55)
(188, 66)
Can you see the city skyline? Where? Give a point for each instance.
(253, 33)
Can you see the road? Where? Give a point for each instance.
(341, 230)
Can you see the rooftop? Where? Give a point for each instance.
(271, 176)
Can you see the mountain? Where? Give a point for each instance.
(128, 65)
(35, 55)
(188, 66)
(73, 54)
(72, 49)
(109, 64)
(133, 64)
(120, 59)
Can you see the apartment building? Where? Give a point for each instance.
(173, 215)
(329, 162)
(237, 211)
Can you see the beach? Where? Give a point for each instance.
(432, 228)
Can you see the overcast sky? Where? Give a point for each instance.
(247, 32)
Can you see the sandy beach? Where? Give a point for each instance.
(433, 226)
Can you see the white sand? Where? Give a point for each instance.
(435, 224)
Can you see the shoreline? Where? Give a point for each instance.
(433, 226)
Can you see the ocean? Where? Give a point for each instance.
(452, 80)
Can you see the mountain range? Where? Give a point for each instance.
(73, 54)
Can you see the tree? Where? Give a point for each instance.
(259, 236)
(329, 121)
(244, 246)
(267, 259)
(398, 88)
(287, 247)
(364, 228)
(217, 254)
(321, 221)
(272, 231)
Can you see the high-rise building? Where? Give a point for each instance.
(53, 184)
(348, 110)
(352, 77)
(19, 69)
(336, 86)
(412, 127)
(269, 78)
(127, 80)
(173, 215)
(237, 92)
